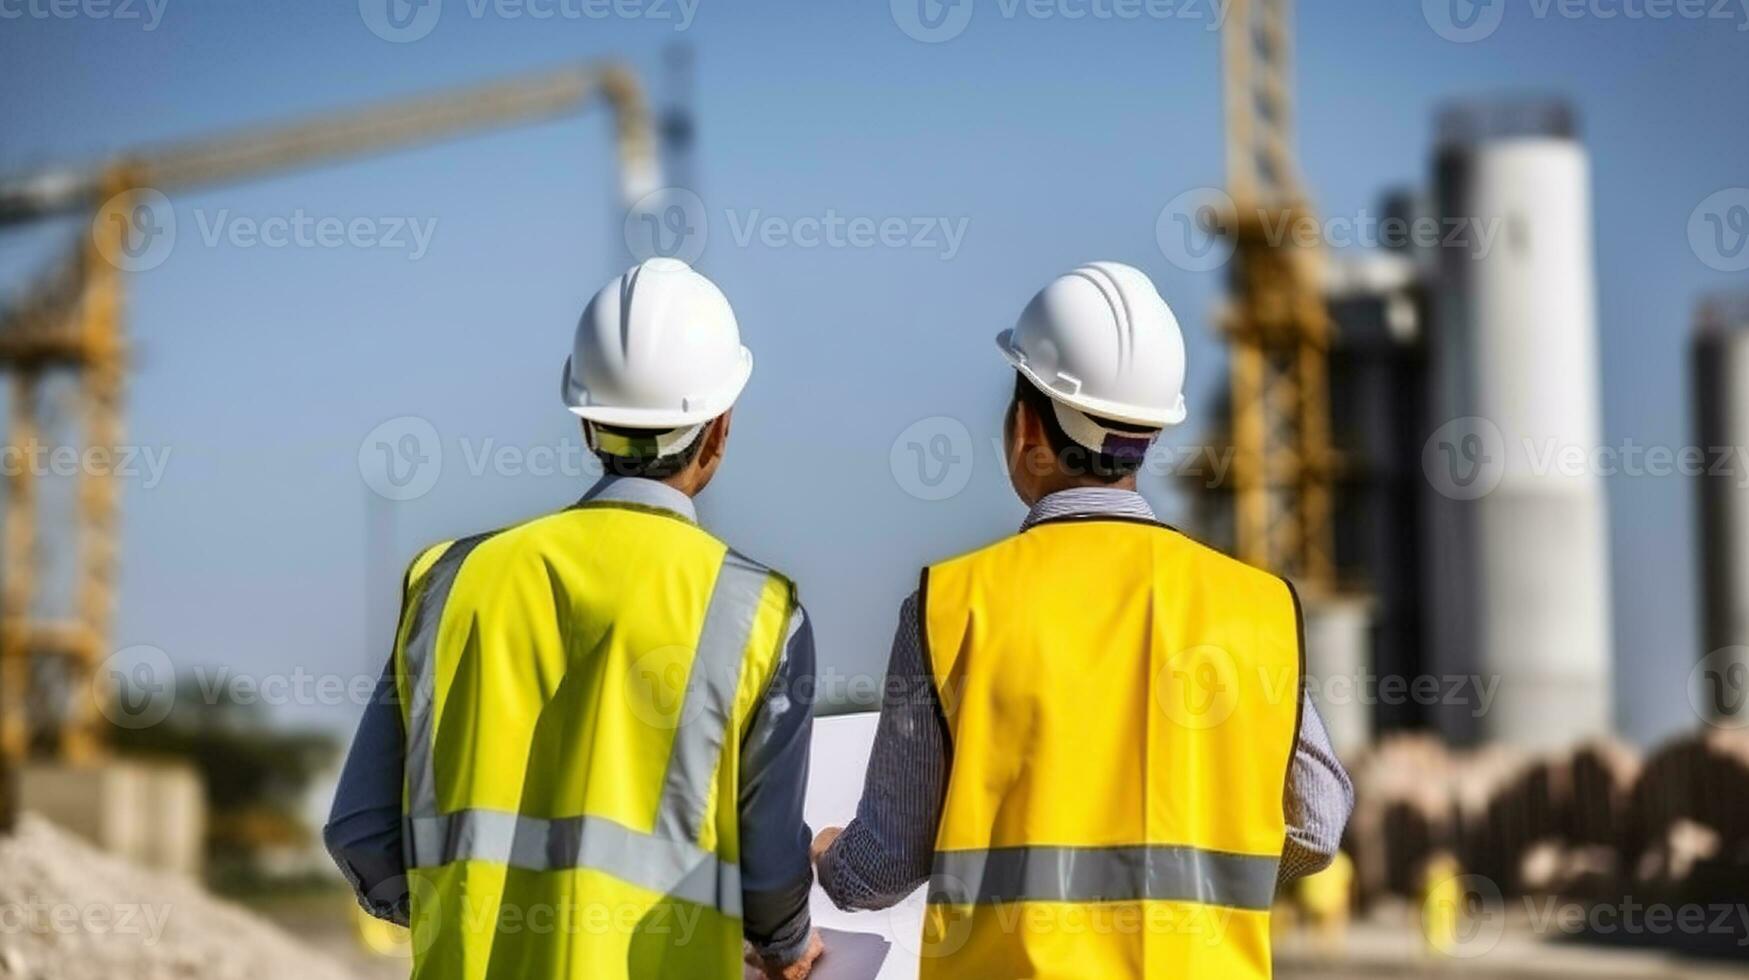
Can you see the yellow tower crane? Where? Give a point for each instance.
(1276, 321)
(71, 322)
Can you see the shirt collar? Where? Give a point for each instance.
(1089, 502)
(637, 490)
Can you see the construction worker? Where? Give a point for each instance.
(600, 717)
(1096, 749)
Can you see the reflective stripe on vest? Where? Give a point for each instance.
(1121, 704)
(1161, 873)
(656, 864)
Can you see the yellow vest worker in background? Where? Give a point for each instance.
(1095, 749)
(597, 762)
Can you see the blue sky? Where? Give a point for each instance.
(1046, 140)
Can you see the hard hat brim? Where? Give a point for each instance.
(1116, 411)
(714, 403)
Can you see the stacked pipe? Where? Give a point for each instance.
(1583, 821)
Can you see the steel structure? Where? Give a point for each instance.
(1276, 321)
(71, 321)
(1719, 366)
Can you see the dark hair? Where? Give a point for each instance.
(1074, 458)
(648, 467)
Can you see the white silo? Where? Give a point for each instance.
(1519, 554)
(1721, 412)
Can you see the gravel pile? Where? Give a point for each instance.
(71, 912)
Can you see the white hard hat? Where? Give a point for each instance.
(657, 348)
(1101, 340)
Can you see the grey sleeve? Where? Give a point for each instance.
(888, 850)
(363, 833)
(1319, 799)
(775, 874)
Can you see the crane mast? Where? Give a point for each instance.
(71, 321)
(1276, 321)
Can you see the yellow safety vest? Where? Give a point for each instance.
(574, 691)
(1122, 705)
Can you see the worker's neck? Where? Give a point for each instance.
(1058, 482)
(686, 481)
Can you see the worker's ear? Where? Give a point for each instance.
(1032, 428)
(1029, 457)
(716, 441)
(1030, 443)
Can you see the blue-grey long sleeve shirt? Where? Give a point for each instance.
(888, 850)
(364, 831)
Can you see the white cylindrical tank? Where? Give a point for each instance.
(1338, 632)
(1519, 575)
(1721, 412)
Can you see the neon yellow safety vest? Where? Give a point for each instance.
(574, 691)
(1122, 705)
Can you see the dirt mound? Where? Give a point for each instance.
(71, 912)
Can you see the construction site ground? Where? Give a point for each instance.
(72, 912)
